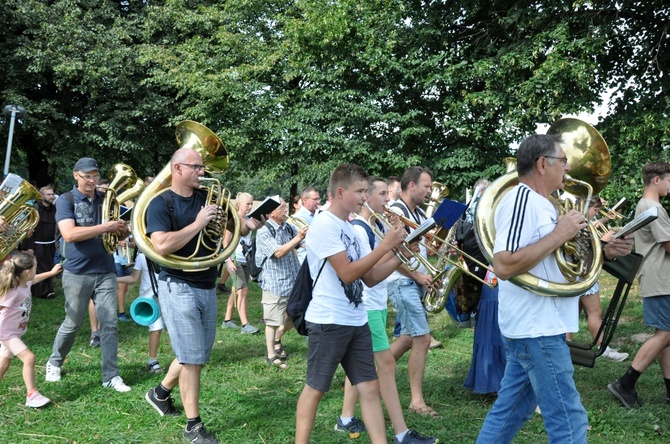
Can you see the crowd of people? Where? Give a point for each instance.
(520, 350)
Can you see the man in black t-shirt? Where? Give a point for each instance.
(187, 298)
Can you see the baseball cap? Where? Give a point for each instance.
(86, 164)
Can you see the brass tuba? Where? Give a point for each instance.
(590, 165)
(14, 193)
(122, 176)
(210, 250)
(438, 193)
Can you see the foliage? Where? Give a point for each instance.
(295, 87)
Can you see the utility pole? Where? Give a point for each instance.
(11, 111)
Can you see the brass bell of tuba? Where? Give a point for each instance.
(14, 193)
(122, 177)
(590, 166)
(438, 193)
(210, 250)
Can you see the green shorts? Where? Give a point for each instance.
(377, 323)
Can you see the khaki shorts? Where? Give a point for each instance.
(274, 309)
(12, 347)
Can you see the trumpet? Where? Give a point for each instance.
(409, 258)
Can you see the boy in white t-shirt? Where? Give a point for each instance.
(336, 318)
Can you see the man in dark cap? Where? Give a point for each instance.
(87, 270)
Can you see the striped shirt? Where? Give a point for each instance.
(278, 274)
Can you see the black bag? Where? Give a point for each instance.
(300, 297)
(249, 252)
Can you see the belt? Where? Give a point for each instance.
(45, 242)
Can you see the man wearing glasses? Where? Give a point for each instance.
(311, 199)
(187, 298)
(87, 270)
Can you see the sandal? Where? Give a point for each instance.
(276, 360)
(424, 411)
(281, 351)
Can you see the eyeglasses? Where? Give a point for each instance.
(89, 178)
(196, 168)
(563, 160)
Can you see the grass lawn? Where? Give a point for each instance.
(243, 400)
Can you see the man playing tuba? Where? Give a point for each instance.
(539, 369)
(188, 302)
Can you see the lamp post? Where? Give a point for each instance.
(11, 111)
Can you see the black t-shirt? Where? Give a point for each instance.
(185, 211)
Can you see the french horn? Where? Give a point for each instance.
(210, 251)
(590, 167)
(14, 193)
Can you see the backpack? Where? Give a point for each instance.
(366, 227)
(301, 296)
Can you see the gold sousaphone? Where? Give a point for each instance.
(122, 176)
(210, 250)
(590, 167)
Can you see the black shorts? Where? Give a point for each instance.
(330, 345)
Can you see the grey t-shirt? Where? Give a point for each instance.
(649, 243)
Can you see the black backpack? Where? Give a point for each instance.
(301, 296)
(249, 252)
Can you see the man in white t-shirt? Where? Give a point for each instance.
(336, 319)
(311, 199)
(539, 369)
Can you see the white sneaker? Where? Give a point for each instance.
(614, 355)
(36, 400)
(117, 384)
(52, 373)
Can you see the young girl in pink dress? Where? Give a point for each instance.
(17, 275)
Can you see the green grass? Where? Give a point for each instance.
(245, 401)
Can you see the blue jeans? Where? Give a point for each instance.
(538, 372)
(79, 289)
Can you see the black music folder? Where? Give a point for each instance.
(268, 205)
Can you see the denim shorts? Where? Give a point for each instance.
(405, 294)
(593, 290)
(330, 345)
(122, 270)
(190, 316)
(656, 310)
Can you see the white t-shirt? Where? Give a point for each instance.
(145, 280)
(327, 236)
(375, 298)
(239, 255)
(522, 218)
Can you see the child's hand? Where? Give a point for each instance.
(57, 269)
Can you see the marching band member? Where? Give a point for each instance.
(539, 369)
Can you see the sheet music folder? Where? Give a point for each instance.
(445, 217)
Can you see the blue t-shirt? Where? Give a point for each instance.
(185, 211)
(88, 256)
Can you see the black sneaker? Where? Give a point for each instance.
(198, 435)
(413, 437)
(628, 398)
(162, 406)
(222, 288)
(354, 428)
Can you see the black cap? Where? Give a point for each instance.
(86, 164)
